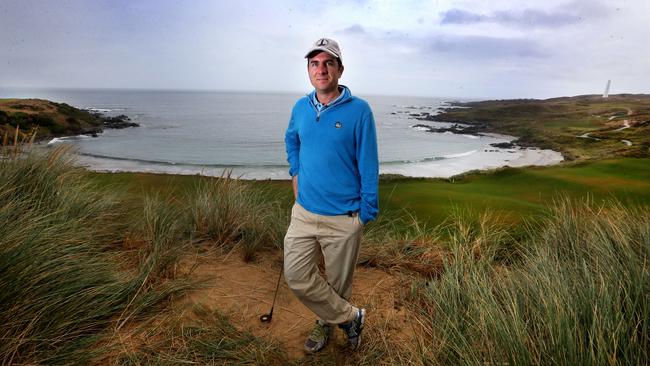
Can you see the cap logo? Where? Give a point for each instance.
(322, 42)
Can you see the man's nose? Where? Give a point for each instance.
(322, 69)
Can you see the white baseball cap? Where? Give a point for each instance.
(328, 45)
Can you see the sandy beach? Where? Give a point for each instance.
(477, 160)
(488, 158)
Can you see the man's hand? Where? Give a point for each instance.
(295, 186)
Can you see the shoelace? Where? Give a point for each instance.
(318, 333)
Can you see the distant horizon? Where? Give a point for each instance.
(300, 93)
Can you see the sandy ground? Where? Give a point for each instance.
(478, 160)
(244, 291)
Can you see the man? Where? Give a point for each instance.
(332, 152)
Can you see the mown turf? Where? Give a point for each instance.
(514, 194)
(520, 193)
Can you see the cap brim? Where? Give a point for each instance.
(321, 49)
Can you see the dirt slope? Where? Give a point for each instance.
(245, 291)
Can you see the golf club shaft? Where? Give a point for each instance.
(277, 286)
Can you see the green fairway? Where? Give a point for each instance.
(520, 193)
(514, 194)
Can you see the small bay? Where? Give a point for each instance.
(207, 132)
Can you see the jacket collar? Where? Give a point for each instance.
(343, 97)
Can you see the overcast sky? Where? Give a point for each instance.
(444, 48)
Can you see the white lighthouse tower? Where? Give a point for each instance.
(606, 93)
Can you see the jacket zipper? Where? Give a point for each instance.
(323, 110)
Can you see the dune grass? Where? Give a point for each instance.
(80, 263)
(230, 213)
(208, 340)
(579, 293)
(84, 259)
(61, 292)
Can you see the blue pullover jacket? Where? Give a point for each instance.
(334, 153)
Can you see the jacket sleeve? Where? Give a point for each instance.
(368, 164)
(292, 145)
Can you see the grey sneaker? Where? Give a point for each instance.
(353, 329)
(319, 336)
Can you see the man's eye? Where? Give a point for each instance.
(329, 63)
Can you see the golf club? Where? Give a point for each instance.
(266, 318)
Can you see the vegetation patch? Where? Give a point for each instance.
(91, 266)
(49, 118)
(556, 123)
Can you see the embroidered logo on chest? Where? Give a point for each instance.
(338, 124)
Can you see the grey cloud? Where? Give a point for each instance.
(480, 47)
(353, 29)
(452, 46)
(457, 16)
(535, 18)
(519, 19)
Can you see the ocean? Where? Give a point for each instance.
(210, 132)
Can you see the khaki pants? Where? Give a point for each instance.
(338, 238)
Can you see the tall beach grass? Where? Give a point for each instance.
(61, 285)
(232, 213)
(578, 294)
(79, 264)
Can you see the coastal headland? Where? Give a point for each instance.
(22, 118)
(581, 127)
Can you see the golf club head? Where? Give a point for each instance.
(266, 318)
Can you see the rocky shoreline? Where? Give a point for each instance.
(40, 119)
(115, 122)
(474, 129)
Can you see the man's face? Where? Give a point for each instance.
(324, 72)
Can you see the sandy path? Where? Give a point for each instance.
(244, 291)
(626, 124)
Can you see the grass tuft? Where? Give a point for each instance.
(232, 213)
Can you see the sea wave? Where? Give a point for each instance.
(105, 110)
(426, 160)
(421, 128)
(460, 155)
(59, 140)
(174, 163)
(260, 166)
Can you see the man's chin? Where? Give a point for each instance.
(325, 88)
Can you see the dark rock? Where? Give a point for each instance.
(118, 122)
(474, 130)
(505, 145)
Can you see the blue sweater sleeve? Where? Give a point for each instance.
(292, 144)
(368, 163)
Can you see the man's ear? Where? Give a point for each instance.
(341, 69)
